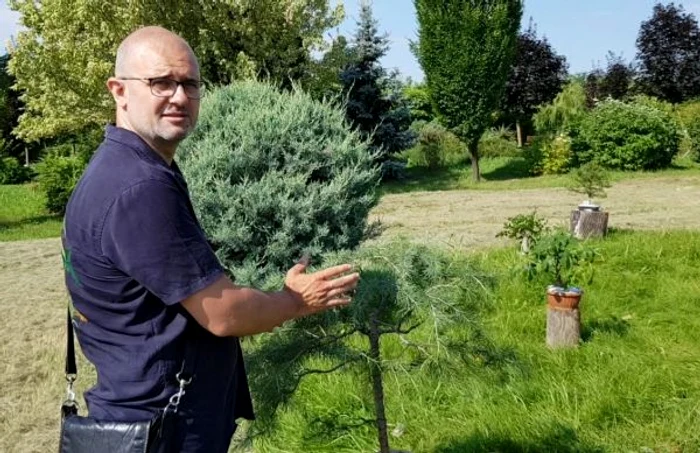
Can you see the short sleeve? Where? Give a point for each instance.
(150, 234)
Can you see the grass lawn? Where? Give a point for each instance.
(23, 216)
(632, 386)
(510, 173)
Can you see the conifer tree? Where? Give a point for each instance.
(374, 104)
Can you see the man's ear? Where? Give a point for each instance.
(118, 90)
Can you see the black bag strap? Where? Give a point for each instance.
(184, 376)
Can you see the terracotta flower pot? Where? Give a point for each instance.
(561, 299)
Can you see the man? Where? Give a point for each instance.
(141, 275)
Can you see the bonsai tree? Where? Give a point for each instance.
(562, 259)
(526, 228)
(590, 179)
(404, 288)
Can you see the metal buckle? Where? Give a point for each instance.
(174, 401)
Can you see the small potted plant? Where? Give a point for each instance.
(566, 263)
(526, 228)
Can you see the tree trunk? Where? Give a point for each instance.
(377, 385)
(586, 224)
(563, 327)
(519, 130)
(474, 152)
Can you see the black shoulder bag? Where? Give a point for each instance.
(80, 434)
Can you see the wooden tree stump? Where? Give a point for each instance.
(563, 327)
(587, 223)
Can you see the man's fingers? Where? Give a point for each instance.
(344, 281)
(296, 269)
(339, 291)
(338, 302)
(333, 271)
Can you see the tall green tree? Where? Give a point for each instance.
(466, 49)
(536, 78)
(67, 50)
(323, 76)
(9, 111)
(669, 54)
(374, 103)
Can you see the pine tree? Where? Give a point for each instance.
(374, 102)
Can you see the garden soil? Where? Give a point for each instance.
(33, 298)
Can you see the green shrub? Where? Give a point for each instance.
(498, 143)
(436, 146)
(653, 102)
(628, 137)
(274, 175)
(57, 176)
(689, 116)
(12, 172)
(565, 112)
(557, 155)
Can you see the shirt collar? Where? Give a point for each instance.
(132, 140)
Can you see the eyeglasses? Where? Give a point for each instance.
(165, 88)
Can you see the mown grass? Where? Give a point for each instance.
(23, 215)
(511, 173)
(633, 385)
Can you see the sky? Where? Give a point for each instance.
(583, 31)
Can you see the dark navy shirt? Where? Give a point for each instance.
(133, 250)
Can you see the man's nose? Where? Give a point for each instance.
(179, 96)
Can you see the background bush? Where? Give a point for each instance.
(689, 117)
(435, 147)
(498, 142)
(57, 176)
(273, 175)
(13, 172)
(628, 137)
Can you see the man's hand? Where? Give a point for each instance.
(322, 290)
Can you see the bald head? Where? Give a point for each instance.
(143, 43)
(156, 88)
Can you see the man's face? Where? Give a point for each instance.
(161, 121)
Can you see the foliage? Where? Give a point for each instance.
(322, 79)
(537, 76)
(403, 287)
(466, 50)
(436, 146)
(689, 116)
(498, 142)
(12, 172)
(590, 179)
(669, 54)
(564, 113)
(652, 102)
(57, 176)
(617, 80)
(526, 228)
(628, 137)
(374, 101)
(560, 258)
(419, 103)
(10, 108)
(557, 155)
(66, 50)
(275, 174)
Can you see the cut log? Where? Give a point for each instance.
(586, 224)
(563, 327)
